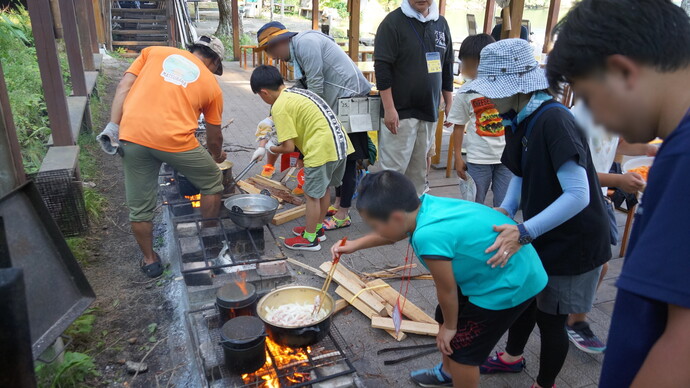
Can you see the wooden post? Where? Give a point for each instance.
(516, 9)
(442, 7)
(235, 20)
(51, 75)
(100, 25)
(71, 37)
(489, 15)
(551, 21)
(83, 16)
(92, 25)
(11, 167)
(314, 14)
(57, 23)
(353, 32)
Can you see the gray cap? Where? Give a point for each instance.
(216, 46)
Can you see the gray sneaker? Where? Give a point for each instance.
(432, 377)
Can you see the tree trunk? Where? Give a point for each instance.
(224, 18)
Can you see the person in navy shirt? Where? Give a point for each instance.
(638, 86)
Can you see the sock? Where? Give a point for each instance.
(318, 227)
(309, 236)
(443, 373)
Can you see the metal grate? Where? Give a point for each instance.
(325, 360)
(64, 198)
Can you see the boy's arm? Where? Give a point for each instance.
(285, 147)
(458, 136)
(447, 292)
(635, 149)
(371, 240)
(667, 363)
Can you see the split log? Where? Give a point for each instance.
(372, 300)
(366, 310)
(389, 271)
(251, 189)
(409, 309)
(340, 304)
(289, 215)
(268, 182)
(278, 193)
(422, 328)
(309, 268)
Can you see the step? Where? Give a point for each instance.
(151, 21)
(156, 11)
(140, 43)
(141, 32)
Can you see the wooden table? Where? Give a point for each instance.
(367, 68)
(364, 51)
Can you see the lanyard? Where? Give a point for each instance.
(417, 33)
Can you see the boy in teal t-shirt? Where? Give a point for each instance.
(477, 302)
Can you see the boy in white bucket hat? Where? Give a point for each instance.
(557, 189)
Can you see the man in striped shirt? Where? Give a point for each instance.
(304, 121)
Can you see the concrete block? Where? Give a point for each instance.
(60, 158)
(91, 78)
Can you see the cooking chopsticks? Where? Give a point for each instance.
(329, 278)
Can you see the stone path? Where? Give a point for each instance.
(580, 370)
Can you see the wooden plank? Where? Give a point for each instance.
(309, 268)
(289, 215)
(83, 26)
(421, 328)
(314, 14)
(72, 47)
(51, 74)
(390, 271)
(390, 295)
(353, 32)
(11, 156)
(489, 16)
(364, 309)
(340, 305)
(551, 20)
(142, 21)
(269, 182)
(98, 13)
(370, 299)
(161, 31)
(139, 43)
(251, 189)
(93, 33)
(152, 11)
(288, 174)
(281, 194)
(393, 276)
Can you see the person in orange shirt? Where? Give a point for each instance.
(156, 106)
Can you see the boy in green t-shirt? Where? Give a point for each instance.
(304, 121)
(477, 302)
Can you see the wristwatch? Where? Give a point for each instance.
(525, 238)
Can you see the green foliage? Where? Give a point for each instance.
(95, 203)
(227, 43)
(83, 325)
(71, 372)
(80, 249)
(339, 5)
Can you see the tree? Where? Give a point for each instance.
(225, 19)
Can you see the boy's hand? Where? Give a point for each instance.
(631, 182)
(506, 245)
(345, 249)
(391, 120)
(443, 340)
(461, 168)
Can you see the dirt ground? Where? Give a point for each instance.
(132, 313)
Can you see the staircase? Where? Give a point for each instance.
(136, 28)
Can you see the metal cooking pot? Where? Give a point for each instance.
(296, 337)
(251, 211)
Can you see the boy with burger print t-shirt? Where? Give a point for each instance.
(484, 139)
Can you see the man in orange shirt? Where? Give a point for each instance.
(156, 106)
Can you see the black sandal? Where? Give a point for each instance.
(153, 270)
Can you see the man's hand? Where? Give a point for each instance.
(506, 245)
(391, 120)
(259, 154)
(443, 339)
(461, 167)
(269, 145)
(631, 182)
(220, 158)
(345, 249)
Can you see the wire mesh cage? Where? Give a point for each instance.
(64, 198)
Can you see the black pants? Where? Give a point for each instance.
(347, 189)
(554, 341)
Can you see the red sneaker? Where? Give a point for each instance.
(300, 243)
(299, 230)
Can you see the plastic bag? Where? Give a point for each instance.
(468, 189)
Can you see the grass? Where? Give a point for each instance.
(245, 39)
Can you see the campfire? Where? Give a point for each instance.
(285, 359)
(195, 199)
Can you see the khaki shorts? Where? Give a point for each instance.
(142, 165)
(318, 179)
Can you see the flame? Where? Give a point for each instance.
(242, 282)
(196, 200)
(284, 358)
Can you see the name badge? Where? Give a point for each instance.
(433, 62)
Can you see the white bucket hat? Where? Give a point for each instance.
(506, 68)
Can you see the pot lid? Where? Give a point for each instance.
(242, 330)
(232, 295)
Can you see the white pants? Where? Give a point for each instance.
(407, 151)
